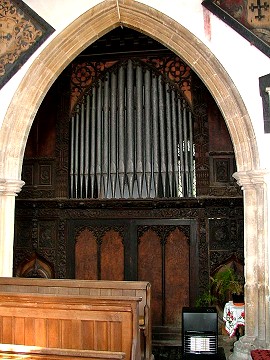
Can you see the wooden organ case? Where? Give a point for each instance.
(174, 241)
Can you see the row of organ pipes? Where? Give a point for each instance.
(132, 137)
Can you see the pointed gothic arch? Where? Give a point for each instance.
(67, 45)
(92, 25)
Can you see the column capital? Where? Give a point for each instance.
(252, 177)
(10, 186)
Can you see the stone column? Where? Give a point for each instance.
(255, 185)
(8, 191)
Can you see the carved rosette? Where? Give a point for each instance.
(86, 73)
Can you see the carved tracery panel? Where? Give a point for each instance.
(164, 260)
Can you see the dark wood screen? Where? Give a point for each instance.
(158, 251)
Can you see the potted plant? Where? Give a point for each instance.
(206, 299)
(227, 284)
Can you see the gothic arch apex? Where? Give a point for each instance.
(92, 25)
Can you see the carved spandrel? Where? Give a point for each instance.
(100, 230)
(86, 73)
(163, 231)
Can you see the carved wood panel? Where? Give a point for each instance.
(157, 251)
(86, 256)
(163, 260)
(150, 267)
(99, 254)
(112, 256)
(176, 276)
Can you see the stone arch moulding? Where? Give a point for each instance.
(90, 26)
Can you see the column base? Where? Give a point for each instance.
(242, 348)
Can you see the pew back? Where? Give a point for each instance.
(72, 287)
(71, 322)
(21, 352)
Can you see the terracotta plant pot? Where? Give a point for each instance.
(238, 299)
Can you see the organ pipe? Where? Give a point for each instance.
(86, 151)
(175, 184)
(99, 138)
(156, 155)
(81, 151)
(121, 131)
(139, 129)
(169, 140)
(105, 152)
(130, 128)
(93, 142)
(113, 134)
(148, 135)
(162, 134)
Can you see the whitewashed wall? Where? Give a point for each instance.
(242, 61)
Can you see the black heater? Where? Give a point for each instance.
(199, 331)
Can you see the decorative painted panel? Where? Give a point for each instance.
(22, 32)
(250, 18)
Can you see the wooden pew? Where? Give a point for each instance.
(71, 322)
(21, 352)
(90, 288)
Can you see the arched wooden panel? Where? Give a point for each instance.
(86, 256)
(150, 269)
(35, 266)
(112, 256)
(176, 277)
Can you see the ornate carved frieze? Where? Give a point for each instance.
(201, 136)
(52, 225)
(86, 73)
(62, 138)
(61, 253)
(22, 32)
(163, 231)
